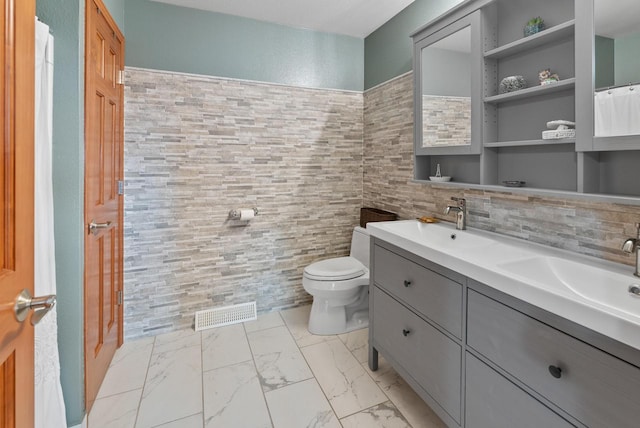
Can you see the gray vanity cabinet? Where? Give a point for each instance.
(432, 294)
(493, 401)
(416, 323)
(509, 365)
(431, 357)
(594, 387)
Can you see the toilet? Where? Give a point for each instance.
(340, 289)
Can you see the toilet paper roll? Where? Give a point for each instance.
(246, 215)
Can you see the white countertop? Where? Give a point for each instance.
(583, 289)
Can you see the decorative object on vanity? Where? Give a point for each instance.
(514, 183)
(370, 215)
(559, 129)
(546, 77)
(426, 219)
(534, 26)
(439, 178)
(512, 83)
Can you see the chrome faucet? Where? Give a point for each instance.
(631, 245)
(461, 212)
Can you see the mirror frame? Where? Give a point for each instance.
(586, 141)
(476, 73)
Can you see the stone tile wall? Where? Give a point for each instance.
(596, 229)
(446, 121)
(197, 147)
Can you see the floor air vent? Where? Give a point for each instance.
(218, 317)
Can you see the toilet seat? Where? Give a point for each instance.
(336, 269)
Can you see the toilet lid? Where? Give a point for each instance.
(338, 269)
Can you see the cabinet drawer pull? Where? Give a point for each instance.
(407, 283)
(405, 332)
(555, 371)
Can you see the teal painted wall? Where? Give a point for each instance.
(167, 37)
(116, 10)
(388, 51)
(627, 59)
(66, 20)
(604, 49)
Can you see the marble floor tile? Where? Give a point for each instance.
(358, 343)
(412, 407)
(383, 415)
(270, 341)
(344, 381)
(301, 405)
(224, 346)
(233, 398)
(116, 411)
(128, 369)
(264, 321)
(297, 320)
(176, 340)
(174, 387)
(280, 369)
(194, 421)
(278, 359)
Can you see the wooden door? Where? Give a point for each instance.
(16, 208)
(104, 96)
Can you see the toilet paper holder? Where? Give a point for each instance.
(236, 214)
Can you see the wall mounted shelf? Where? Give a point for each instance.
(531, 143)
(562, 85)
(558, 32)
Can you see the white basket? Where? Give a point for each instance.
(227, 315)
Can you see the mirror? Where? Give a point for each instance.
(617, 68)
(446, 91)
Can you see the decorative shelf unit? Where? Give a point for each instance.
(512, 123)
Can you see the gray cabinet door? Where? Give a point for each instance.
(495, 402)
(596, 388)
(431, 358)
(433, 295)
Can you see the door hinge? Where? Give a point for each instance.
(120, 187)
(120, 77)
(119, 297)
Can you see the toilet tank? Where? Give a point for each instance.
(360, 245)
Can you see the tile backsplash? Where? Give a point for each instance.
(197, 147)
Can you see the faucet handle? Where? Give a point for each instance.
(460, 201)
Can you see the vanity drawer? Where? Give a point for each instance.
(433, 295)
(433, 359)
(596, 388)
(495, 402)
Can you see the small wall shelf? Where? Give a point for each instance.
(550, 35)
(531, 143)
(562, 85)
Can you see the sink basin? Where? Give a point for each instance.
(599, 285)
(437, 235)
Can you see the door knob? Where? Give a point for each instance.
(40, 306)
(95, 227)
